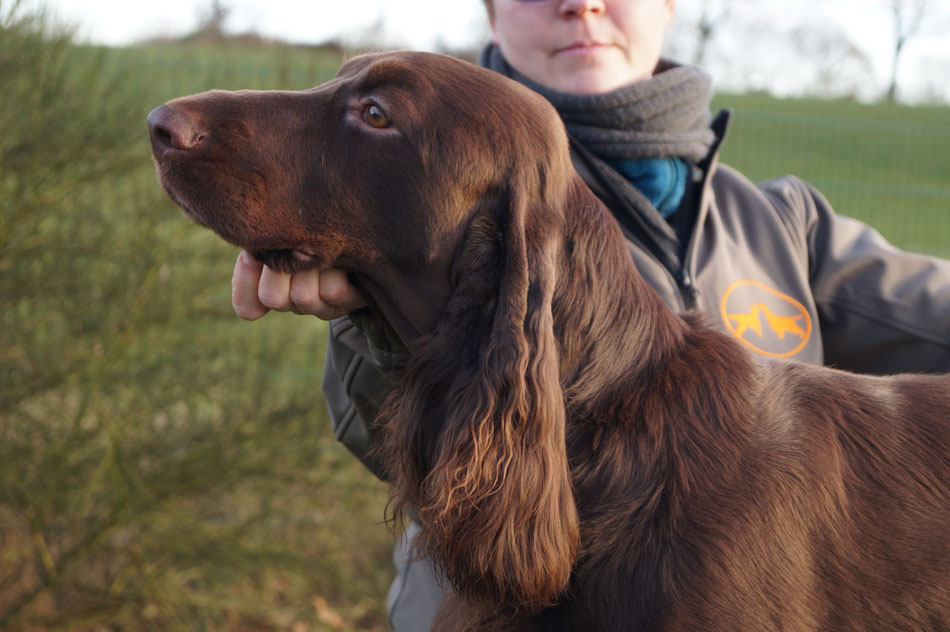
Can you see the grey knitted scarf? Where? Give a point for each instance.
(665, 116)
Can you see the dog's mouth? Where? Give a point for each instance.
(186, 208)
(289, 260)
(170, 192)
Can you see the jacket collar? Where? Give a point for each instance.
(639, 221)
(708, 165)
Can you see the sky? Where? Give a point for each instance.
(410, 23)
(435, 24)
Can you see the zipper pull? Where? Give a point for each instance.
(688, 290)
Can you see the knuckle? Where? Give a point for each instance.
(272, 299)
(334, 287)
(304, 295)
(332, 292)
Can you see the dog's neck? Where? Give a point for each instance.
(408, 306)
(611, 325)
(630, 367)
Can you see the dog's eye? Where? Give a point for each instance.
(376, 117)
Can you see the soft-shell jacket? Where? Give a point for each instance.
(773, 265)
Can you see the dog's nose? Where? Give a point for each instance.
(170, 128)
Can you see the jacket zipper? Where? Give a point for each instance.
(688, 290)
(677, 268)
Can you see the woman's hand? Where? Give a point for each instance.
(256, 289)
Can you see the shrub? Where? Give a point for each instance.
(163, 465)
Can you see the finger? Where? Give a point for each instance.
(274, 290)
(244, 283)
(305, 294)
(336, 290)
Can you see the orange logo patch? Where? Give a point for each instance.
(765, 320)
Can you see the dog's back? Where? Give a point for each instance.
(859, 523)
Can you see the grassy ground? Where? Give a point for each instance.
(164, 465)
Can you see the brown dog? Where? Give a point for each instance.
(581, 458)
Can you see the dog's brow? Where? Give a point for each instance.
(387, 73)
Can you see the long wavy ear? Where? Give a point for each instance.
(476, 435)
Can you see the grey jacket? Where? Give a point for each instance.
(773, 265)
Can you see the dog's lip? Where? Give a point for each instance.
(168, 152)
(170, 192)
(286, 260)
(303, 255)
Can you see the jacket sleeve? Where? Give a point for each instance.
(881, 310)
(355, 383)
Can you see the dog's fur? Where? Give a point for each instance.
(580, 457)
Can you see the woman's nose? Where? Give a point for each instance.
(580, 7)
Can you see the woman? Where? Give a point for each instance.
(772, 264)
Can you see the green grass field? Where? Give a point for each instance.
(886, 165)
(167, 466)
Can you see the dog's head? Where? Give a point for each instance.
(384, 163)
(441, 188)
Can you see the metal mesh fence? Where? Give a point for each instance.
(886, 165)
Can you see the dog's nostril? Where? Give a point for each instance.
(163, 136)
(170, 128)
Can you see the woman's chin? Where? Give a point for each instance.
(595, 82)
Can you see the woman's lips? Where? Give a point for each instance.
(582, 48)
